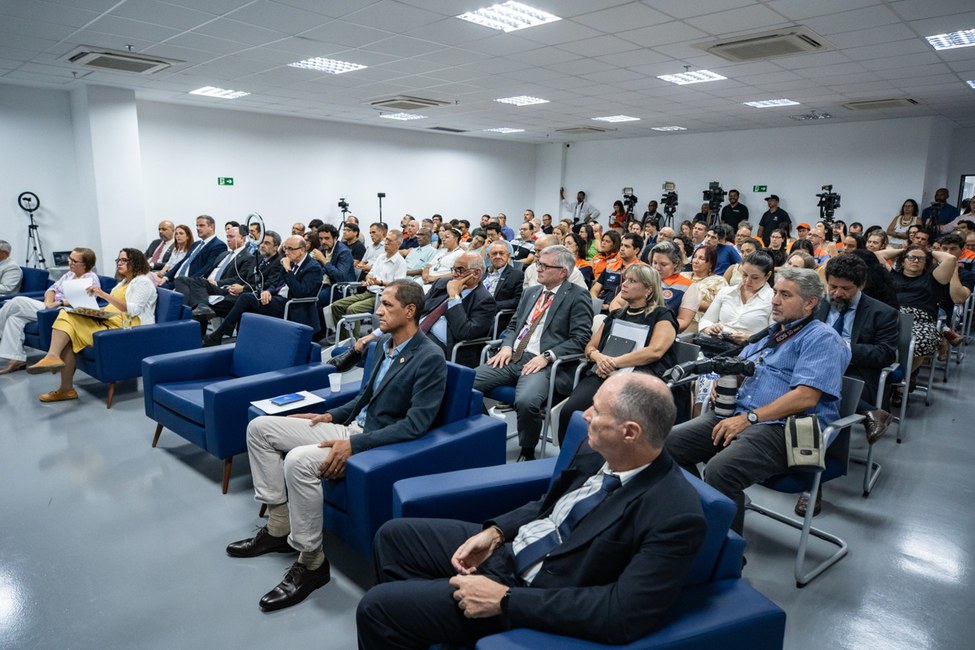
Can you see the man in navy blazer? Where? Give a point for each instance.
(610, 575)
(202, 256)
(290, 456)
(469, 309)
(554, 319)
(301, 279)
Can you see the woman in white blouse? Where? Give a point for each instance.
(744, 309)
(133, 300)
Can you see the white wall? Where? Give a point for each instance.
(291, 169)
(37, 154)
(874, 166)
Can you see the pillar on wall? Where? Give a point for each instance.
(106, 128)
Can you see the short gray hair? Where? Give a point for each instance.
(563, 257)
(5, 246)
(807, 280)
(670, 250)
(474, 262)
(646, 400)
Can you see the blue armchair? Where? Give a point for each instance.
(33, 285)
(462, 437)
(203, 395)
(717, 609)
(117, 354)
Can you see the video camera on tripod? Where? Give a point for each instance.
(714, 195)
(828, 202)
(669, 202)
(629, 201)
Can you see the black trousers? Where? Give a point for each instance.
(248, 302)
(412, 606)
(196, 291)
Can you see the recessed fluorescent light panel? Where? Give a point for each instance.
(522, 100)
(403, 117)
(964, 38)
(509, 16)
(691, 77)
(616, 118)
(668, 128)
(505, 129)
(772, 103)
(329, 66)
(211, 91)
(971, 83)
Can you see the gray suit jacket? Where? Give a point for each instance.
(568, 324)
(407, 400)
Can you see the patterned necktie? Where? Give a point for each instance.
(538, 549)
(535, 321)
(431, 318)
(158, 252)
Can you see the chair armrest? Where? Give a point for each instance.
(472, 495)
(297, 301)
(225, 403)
(466, 344)
(118, 353)
(332, 400)
(488, 346)
(184, 366)
(835, 427)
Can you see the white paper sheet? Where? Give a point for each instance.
(296, 407)
(77, 296)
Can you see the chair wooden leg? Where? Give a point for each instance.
(155, 438)
(111, 394)
(226, 473)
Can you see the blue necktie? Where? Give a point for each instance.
(542, 546)
(184, 270)
(838, 325)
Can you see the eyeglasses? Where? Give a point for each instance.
(121, 260)
(457, 270)
(294, 248)
(543, 267)
(71, 260)
(913, 258)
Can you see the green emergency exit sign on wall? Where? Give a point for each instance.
(225, 180)
(755, 188)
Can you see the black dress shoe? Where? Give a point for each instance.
(803, 503)
(204, 312)
(527, 453)
(212, 341)
(346, 360)
(260, 544)
(298, 583)
(876, 423)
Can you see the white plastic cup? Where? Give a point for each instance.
(335, 381)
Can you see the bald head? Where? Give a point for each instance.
(544, 242)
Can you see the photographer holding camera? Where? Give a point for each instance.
(790, 379)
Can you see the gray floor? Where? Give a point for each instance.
(109, 543)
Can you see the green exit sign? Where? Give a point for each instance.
(225, 180)
(755, 188)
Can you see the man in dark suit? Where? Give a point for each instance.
(611, 579)
(233, 267)
(301, 279)
(289, 456)
(336, 258)
(266, 273)
(460, 309)
(868, 326)
(203, 254)
(554, 319)
(161, 248)
(502, 280)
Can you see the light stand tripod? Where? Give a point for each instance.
(29, 202)
(381, 196)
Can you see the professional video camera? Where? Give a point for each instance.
(343, 205)
(669, 202)
(714, 195)
(828, 202)
(629, 200)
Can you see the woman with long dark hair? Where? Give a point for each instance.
(909, 216)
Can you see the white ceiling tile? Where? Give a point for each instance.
(634, 58)
(557, 33)
(393, 16)
(404, 46)
(654, 35)
(872, 36)
(239, 32)
(451, 31)
(161, 13)
(906, 60)
(601, 45)
(278, 17)
(127, 28)
(753, 18)
(622, 17)
(348, 34)
(919, 9)
(688, 8)
(942, 24)
(849, 21)
(803, 9)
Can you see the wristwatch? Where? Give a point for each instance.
(548, 356)
(752, 417)
(504, 602)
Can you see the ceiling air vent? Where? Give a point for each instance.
(406, 103)
(880, 104)
(117, 61)
(583, 130)
(769, 45)
(447, 129)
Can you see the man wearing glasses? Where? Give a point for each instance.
(302, 278)
(19, 311)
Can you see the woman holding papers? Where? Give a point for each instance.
(638, 337)
(21, 310)
(134, 298)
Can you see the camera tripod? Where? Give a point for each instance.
(29, 202)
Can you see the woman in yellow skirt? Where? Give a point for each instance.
(134, 296)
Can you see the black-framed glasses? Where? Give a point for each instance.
(71, 260)
(121, 260)
(543, 267)
(457, 270)
(913, 258)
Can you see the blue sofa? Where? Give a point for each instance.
(33, 285)
(717, 609)
(203, 395)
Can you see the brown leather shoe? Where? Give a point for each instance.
(876, 423)
(45, 365)
(59, 395)
(803, 503)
